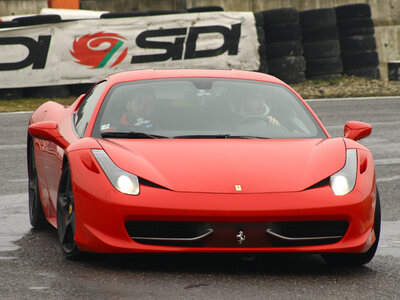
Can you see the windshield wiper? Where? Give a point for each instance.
(249, 137)
(218, 136)
(131, 135)
(203, 136)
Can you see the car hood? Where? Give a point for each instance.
(219, 165)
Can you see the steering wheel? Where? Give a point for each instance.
(250, 120)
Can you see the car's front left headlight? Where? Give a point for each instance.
(123, 181)
(344, 181)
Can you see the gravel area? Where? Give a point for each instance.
(347, 86)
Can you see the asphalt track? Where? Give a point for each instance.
(31, 265)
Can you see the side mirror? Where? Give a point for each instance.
(48, 130)
(357, 130)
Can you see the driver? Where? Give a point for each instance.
(139, 109)
(253, 107)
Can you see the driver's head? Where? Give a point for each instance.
(141, 101)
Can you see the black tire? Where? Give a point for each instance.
(322, 66)
(357, 31)
(359, 60)
(37, 20)
(291, 78)
(263, 59)
(66, 216)
(320, 33)
(205, 8)
(353, 11)
(263, 68)
(258, 17)
(358, 259)
(261, 48)
(287, 64)
(281, 16)
(127, 14)
(356, 23)
(282, 32)
(317, 17)
(36, 214)
(280, 49)
(357, 43)
(394, 71)
(57, 91)
(372, 73)
(328, 48)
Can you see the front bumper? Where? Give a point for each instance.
(104, 217)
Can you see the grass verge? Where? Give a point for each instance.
(30, 104)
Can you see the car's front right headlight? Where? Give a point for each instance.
(344, 181)
(123, 181)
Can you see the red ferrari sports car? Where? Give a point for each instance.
(200, 161)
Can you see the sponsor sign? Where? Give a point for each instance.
(84, 51)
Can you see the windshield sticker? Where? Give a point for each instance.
(105, 127)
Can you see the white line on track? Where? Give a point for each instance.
(387, 161)
(13, 147)
(16, 113)
(387, 179)
(385, 123)
(356, 99)
(18, 180)
(371, 123)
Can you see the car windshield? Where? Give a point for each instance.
(204, 108)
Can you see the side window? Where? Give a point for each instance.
(87, 106)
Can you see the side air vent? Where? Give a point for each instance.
(307, 233)
(167, 233)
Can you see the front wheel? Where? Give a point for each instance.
(358, 259)
(66, 216)
(36, 214)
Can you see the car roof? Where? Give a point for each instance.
(179, 73)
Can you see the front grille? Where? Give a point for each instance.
(235, 234)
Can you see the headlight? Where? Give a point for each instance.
(123, 181)
(343, 181)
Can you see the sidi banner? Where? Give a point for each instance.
(84, 51)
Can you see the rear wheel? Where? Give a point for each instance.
(66, 216)
(36, 214)
(358, 259)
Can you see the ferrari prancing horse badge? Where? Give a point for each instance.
(240, 237)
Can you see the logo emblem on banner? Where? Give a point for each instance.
(99, 50)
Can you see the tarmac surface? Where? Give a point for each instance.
(32, 266)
